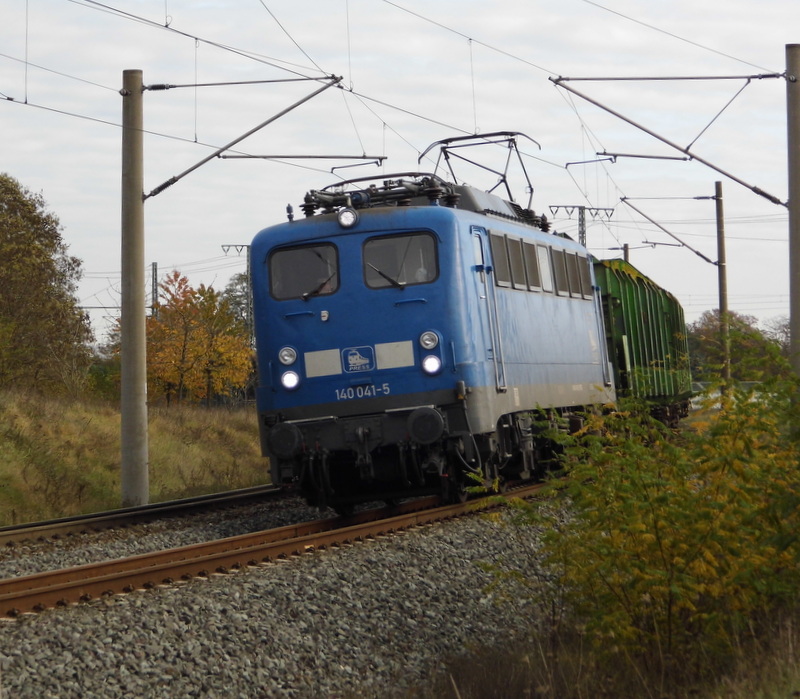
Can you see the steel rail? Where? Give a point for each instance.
(35, 593)
(109, 519)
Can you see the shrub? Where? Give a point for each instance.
(675, 544)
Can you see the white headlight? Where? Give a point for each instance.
(347, 217)
(287, 356)
(290, 380)
(431, 364)
(429, 340)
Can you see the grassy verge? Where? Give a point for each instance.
(60, 457)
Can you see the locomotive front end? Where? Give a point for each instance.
(358, 396)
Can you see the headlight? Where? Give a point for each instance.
(431, 364)
(429, 340)
(287, 355)
(347, 217)
(290, 380)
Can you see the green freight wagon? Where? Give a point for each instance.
(646, 337)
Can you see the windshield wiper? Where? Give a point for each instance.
(389, 279)
(318, 288)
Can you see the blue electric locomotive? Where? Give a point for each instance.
(410, 332)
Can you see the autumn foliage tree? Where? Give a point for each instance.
(44, 335)
(197, 347)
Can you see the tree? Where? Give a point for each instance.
(777, 330)
(44, 335)
(754, 354)
(224, 348)
(237, 293)
(197, 347)
(169, 356)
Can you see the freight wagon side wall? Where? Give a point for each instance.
(645, 332)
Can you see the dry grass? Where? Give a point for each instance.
(60, 457)
(765, 666)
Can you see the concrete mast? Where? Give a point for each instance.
(793, 147)
(133, 352)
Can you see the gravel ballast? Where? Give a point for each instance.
(368, 620)
(32, 557)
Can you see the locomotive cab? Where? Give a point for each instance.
(358, 390)
(408, 332)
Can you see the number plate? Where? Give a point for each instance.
(368, 391)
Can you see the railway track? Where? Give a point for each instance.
(35, 593)
(98, 521)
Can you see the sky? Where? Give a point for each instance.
(412, 73)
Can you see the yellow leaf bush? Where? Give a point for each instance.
(677, 541)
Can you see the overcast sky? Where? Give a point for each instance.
(412, 73)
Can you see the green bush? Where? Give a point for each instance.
(676, 544)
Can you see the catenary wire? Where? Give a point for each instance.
(382, 121)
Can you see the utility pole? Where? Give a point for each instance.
(793, 142)
(135, 483)
(593, 210)
(251, 325)
(154, 289)
(724, 320)
(133, 404)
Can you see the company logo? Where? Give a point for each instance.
(358, 359)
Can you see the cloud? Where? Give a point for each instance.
(418, 72)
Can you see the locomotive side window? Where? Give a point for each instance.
(545, 269)
(303, 271)
(560, 271)
(586, 277)
(522, 265)
(400, 260)
(573, 275)
(532, 267)
(517, 263)
(502, 269)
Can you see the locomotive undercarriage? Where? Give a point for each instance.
(366, 468)
(341, 479)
